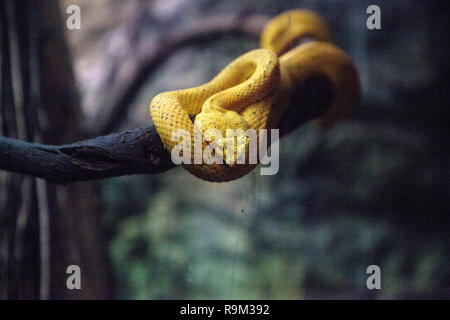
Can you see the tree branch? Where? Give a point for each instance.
(138, 151)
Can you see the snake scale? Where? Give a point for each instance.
(254, 90)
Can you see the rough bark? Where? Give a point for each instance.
(76, 235)
(138, 151)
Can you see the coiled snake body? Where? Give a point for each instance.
(254, 90)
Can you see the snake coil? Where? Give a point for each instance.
(254, 90)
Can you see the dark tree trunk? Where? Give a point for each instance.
(44, 228)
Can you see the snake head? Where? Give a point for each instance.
(221, 120)
(225, 130)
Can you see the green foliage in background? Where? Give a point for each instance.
(281, 237)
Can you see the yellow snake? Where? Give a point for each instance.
(254, 90)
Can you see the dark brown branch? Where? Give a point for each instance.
(149, 60)
(137, 151)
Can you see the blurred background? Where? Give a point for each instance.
(373, 189)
